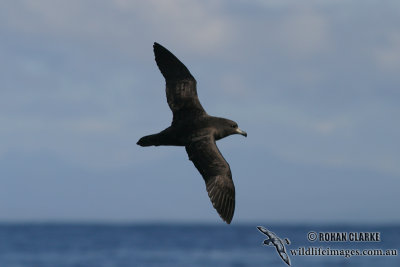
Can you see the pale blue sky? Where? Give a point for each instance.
(315, 84)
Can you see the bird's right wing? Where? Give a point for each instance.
(216, 173)
(180, 85)
(284, 257)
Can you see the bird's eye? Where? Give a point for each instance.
(233, 126)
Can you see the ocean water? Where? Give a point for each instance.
(124, 245)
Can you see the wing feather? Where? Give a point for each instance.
(180, 85)
(217, 175)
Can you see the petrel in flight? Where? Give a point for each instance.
(197, 131)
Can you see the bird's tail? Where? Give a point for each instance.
(149, 140)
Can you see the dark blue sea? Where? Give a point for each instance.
(124, 245)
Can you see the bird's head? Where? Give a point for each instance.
(227, 127)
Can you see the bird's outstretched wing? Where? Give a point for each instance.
(180, 85)
(217, 175)
(266, 232)
(284, 257)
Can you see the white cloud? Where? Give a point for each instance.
(304, 32)
(198, 24)
(122, 24)
(325, 127)
(388, 55)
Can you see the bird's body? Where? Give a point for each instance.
(183, 133)
(193, 128)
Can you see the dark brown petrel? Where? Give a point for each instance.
(193, 128)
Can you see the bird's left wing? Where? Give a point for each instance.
(180, 85)
(216, 173)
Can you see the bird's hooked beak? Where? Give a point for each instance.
(239, 131)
